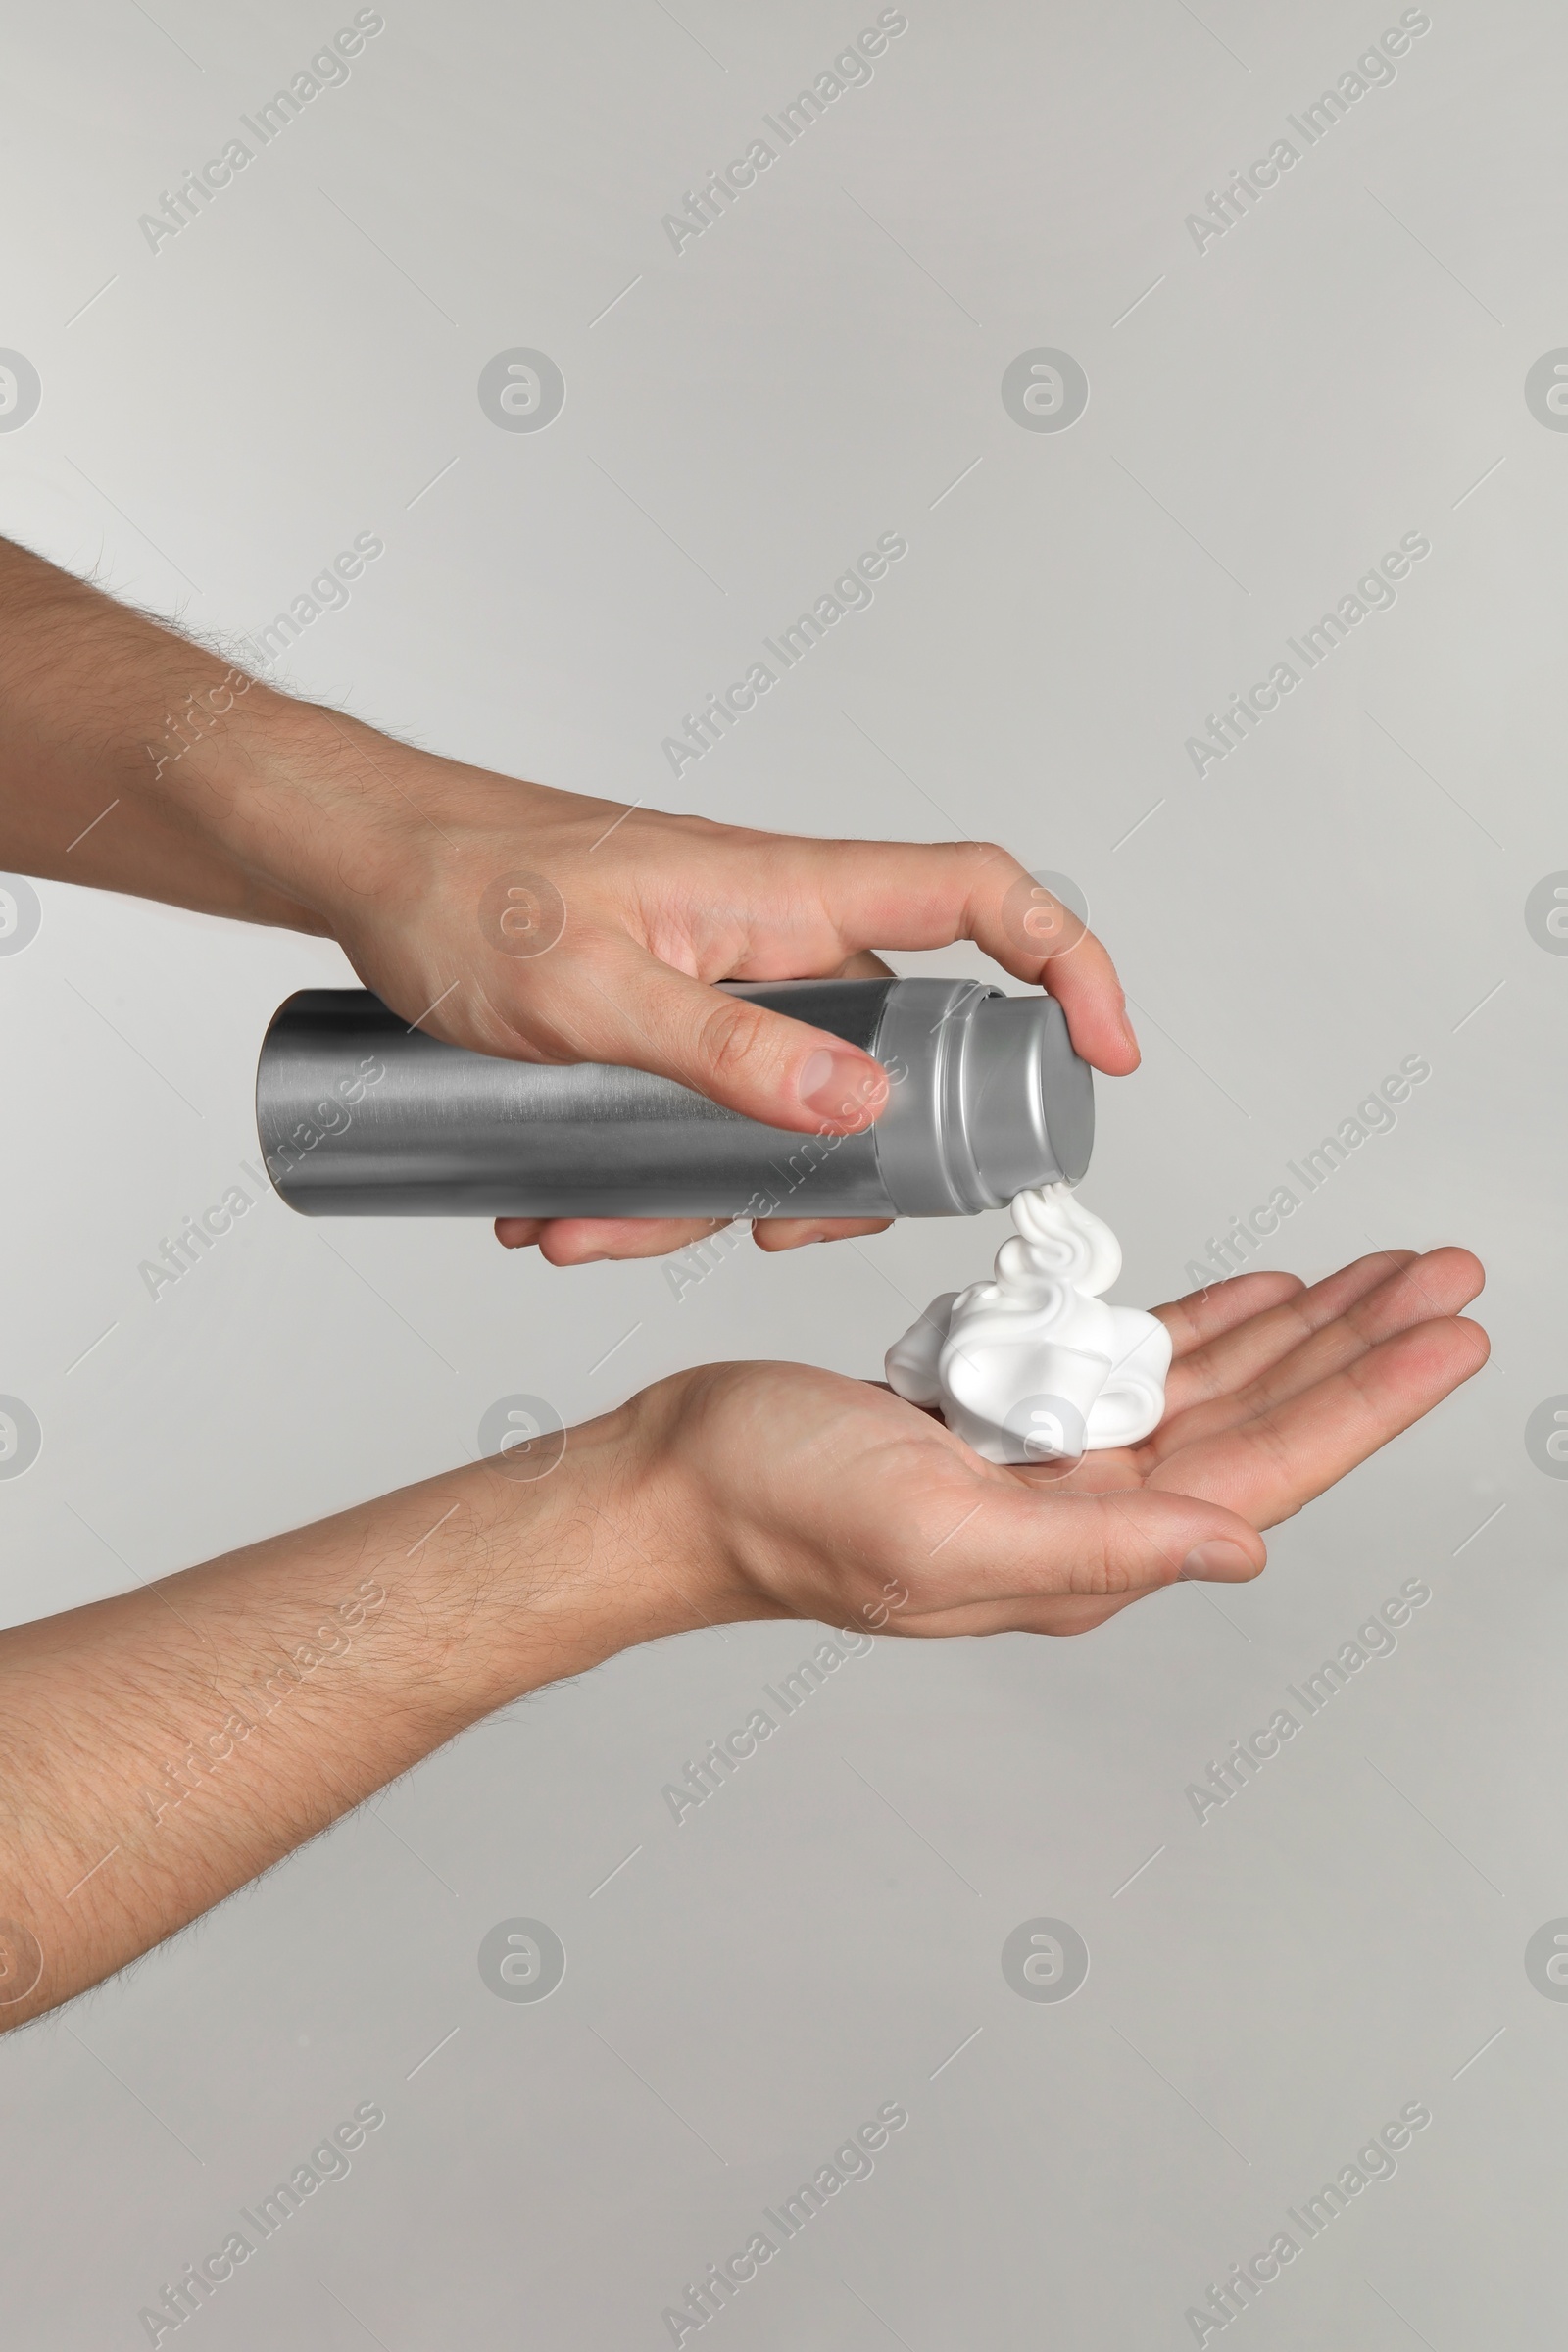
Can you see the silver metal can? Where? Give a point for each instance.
(361, 1116)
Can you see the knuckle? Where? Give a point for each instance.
(733, 1040)
(989, 852)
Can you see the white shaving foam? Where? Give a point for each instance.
(1034, 1365)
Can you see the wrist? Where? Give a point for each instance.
(332, 814)
(575, 1555)
(683, 1521)
(293, 794)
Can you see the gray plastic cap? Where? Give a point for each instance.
(990, 1101)
(1029, 1096)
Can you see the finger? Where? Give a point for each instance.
(1019, 1549)
(1087, 988)
(1070, 1617)
(865, 967)
(617, 1002)
(1224, 1362)
(580, 1241)
(929, 895)
(1268, 1467)
(1429, 1288)
(1203, 1315)
(1278, 1366)
(584, 1240)
(792, 1233)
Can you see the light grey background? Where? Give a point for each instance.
(1265, 418)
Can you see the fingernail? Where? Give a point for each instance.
(1218, 1562)
(841, 1086)
(1128, 1031)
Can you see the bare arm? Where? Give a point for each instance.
(108, 729)
(135, 760)
(162, 1747)
(159, 1749)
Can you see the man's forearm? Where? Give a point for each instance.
(159, 1749)
(134, 759)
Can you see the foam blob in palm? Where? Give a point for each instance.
(1034, 1365)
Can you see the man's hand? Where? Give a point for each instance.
(817, 1491)
(518, 920)
(159, 1748)
(498, 914)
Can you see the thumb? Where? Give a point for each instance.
(643, 1015)
(1175, 1537)
(1027, 1546)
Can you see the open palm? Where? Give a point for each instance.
(827, 1497)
